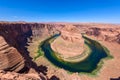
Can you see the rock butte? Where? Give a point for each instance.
(70, 43)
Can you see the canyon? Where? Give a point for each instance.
(19, 44)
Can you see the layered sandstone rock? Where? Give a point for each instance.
(70, 43)
(106, 34)
(10, 58)
(14, 39)
(14, 55)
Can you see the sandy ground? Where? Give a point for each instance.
(110, 69)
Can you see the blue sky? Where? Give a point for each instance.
(107, 11)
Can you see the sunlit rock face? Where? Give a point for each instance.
(16, 76)
(9, 57)
(70, 43)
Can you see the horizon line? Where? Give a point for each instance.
(18, 21)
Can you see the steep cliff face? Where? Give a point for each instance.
(10, 58)
(106, 34)
(13, 41)
(14, 38)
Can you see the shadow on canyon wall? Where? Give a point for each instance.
(54, 78)
(115, 78)
(43, 69)
(17, 35)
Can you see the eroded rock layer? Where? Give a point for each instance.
(14, 39)
(10, 58)
(70, 43)
(106, 34)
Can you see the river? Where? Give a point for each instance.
(88, 65)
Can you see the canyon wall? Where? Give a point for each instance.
(14, 37)
(106, 34)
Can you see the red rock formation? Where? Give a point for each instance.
(14, 38)
(10, 58)
(16, 76)
(70, 43)
(106, 34)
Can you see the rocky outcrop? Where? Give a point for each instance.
(70, 43)
(14, 37)
(94, 31)
(106, 34)
(72, 34)
(16, 76)
(10, 58)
